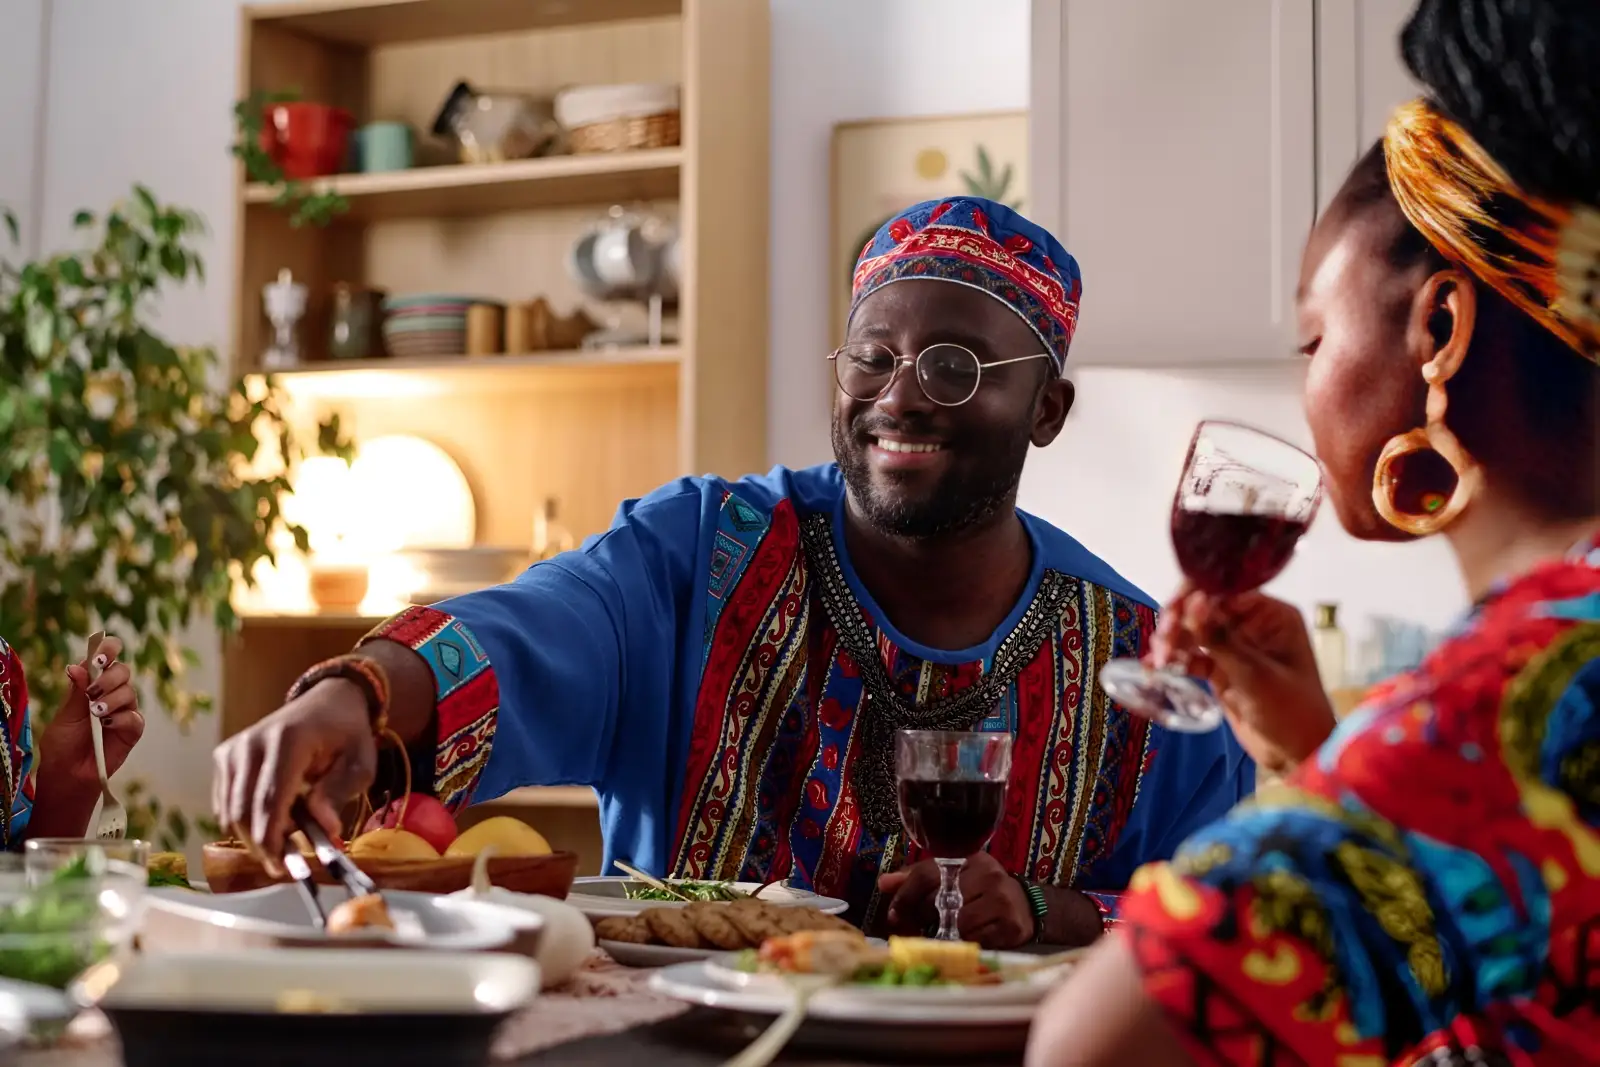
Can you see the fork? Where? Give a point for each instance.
(111, 822)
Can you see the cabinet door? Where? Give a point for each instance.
(1360, 81)
(1174, 153)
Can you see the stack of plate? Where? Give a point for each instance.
(427, 324)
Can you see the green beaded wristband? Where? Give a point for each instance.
(1036, 904)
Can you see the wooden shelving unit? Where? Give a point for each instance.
(589, 428)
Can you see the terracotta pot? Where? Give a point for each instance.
(230, 868)
(305, 139)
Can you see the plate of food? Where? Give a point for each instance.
(907, 971)
(657, 936)
(276, 916)
(599, 897)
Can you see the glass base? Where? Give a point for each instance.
(1171, 698)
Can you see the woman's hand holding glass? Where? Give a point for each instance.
(1256, 655)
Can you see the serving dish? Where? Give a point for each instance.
(316, 1008)
(230, 868)
(604, 896)
(177, 920)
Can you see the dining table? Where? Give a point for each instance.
(605, 1015)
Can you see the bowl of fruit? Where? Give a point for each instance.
(413, 844)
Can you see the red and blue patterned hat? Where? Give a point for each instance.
(985, 245)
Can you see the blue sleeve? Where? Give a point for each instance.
(1192, 781)
(583, 648)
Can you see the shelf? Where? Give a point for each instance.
(320, 620)
(487, 188)
(378, 378)
(379, 22)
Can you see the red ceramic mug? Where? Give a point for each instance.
(306, 140)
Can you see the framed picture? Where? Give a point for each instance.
(883, 166)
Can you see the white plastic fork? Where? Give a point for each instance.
(111, 820)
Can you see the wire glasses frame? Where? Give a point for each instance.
(947, 374)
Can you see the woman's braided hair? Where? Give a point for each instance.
(1523, 77)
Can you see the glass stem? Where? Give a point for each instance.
(949, 899)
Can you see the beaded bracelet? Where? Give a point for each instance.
(1036, 904)
(368, 676)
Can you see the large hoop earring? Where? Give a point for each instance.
(1437, 511)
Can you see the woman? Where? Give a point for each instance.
(62, 799)
(1425, 888)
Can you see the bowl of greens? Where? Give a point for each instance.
(63, 925)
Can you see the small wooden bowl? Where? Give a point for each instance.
(230, 868)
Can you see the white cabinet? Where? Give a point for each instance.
(1173, 153)
(1360, 81)
(1181, 150)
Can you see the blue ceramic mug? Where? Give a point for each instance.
(383, 146)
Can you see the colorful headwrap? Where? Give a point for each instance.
(984, 245)
(1542, 256)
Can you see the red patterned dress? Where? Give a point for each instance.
(1426, 890)
(706, 666)
(16, 752)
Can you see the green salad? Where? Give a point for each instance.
(713, 891)
(51, 935)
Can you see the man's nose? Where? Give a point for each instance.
(904, 394)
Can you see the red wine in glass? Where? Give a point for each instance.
(1243, 501)
(1225, 555)
(951, 820)
(952, 787)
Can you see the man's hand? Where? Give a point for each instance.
(994, 909)
(321, 739)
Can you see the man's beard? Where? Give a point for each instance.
(965, 497)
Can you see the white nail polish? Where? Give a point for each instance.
(100, 661)
(98, 709)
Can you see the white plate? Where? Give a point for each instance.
(695, 984)
(602, 897)
(178, 919)
(631, 955)
(1028, 990)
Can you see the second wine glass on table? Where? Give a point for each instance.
(1243, 502)
(952, 789)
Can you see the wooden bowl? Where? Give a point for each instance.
(230, 868)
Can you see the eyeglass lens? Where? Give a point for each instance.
(948, 374)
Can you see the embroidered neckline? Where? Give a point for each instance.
(883, 712)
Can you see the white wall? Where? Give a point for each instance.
(21, 37)
(1109, 479)
(142, 91)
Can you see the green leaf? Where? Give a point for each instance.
(11, 225)
(83, 220)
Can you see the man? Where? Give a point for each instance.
(729, 663)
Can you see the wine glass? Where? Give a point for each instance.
(952, 788)
(1243, 501)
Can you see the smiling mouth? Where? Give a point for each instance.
(906, 446)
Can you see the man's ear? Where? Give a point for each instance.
(1050, 413)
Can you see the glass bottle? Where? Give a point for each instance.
(1328, 645)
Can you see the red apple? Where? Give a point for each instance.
(424, 816)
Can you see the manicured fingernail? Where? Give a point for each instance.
(100, 661)
(98, 709)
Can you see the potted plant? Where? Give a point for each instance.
(135, 488)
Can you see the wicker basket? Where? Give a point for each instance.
(625, 134)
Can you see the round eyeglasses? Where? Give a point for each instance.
(948, 374)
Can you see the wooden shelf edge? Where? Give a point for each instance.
(599, 357)
(474, 176)
(379, 22)
(308, 620)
